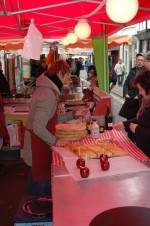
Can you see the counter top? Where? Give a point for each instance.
(79, 201)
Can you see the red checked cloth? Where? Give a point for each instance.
(120, 139)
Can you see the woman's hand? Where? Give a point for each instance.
(118, 126)
(61, 143)
(133, 127)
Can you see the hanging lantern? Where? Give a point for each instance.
(64, 41)
(71, 37)
(121, 11)
(82, 29)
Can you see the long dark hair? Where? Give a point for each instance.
(144, 80)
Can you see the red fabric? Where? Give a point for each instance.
(50, 57)
(120, 139)
(41, 153)
(22, 137)
(54, 19)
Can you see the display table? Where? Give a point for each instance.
(79, 201)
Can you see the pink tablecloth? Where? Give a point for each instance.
(120, 139)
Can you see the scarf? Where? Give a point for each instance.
(54, 78)
(145, 104)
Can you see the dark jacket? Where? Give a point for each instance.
(4, 86)
(128, 87)
(142, 132)
(112, 75)
(78, 67)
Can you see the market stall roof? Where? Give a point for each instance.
(113, 40)
(55, 18)
(11, 44)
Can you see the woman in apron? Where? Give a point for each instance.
(39, 133)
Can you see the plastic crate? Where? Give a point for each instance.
(23, 219)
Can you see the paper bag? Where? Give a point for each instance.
(33, 43)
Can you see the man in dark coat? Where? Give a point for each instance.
(78, 66)
(128, 90)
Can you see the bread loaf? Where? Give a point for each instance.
(71, 131)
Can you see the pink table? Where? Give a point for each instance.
(76, 203)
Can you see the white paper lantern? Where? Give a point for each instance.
(71, 37)
(121, 11)
(64, 41)
(82, 29)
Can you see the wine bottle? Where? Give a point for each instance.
(108, 119)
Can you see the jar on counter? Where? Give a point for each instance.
(95, 129)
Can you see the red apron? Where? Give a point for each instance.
(42, 153)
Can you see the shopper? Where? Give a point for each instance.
(132, 92)
(140, 125)
(112, 77)
(78, 64)
(40, 126)
(120, 71)
(87, 65)
(92, 76)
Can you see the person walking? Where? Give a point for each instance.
(120, 71)
(78, 66)
(87, 65)
(129, 91)
(112, 78)
(140, 125)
